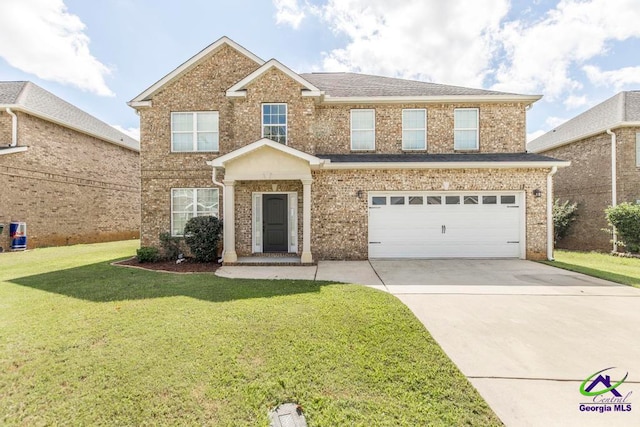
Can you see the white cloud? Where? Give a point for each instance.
(540, 56)
(41, 37)
(477, 43)
(533, 135)
(447, 42)
(615, 78)
(554, 122)
(288, 12)
(132, 132)
(573, 101)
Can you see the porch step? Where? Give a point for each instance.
(261, 260)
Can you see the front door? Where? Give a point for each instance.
(275, 224)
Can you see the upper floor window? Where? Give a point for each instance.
(363, 130)
(197, 131)
(414, 129)
(638, 149)
(189, 202)
(465, 129)
(274, 122)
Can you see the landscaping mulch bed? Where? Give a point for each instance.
(189, 265)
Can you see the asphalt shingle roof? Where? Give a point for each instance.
(32, 98)
(620, 108)
(435, 158)
(363, 85)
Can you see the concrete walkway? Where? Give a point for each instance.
(525, 334)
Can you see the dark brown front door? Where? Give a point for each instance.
(274, 212)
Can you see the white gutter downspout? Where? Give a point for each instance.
(14, 127)
(550, 242)
(614, 183)
(219, 184)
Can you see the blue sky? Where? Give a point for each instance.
(99, 55)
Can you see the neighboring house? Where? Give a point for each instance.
(587, 141)
(339, 165)
(69, 176)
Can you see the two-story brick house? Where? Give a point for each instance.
(339, 165)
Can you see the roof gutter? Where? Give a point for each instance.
(527, 99)
(14, 127)
(443, 165)
(614, 183)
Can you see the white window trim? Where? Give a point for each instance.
(256, 220)
(477, 129)
(424, 147)
(195, 204)
(286, 120)
(194, 132)
(373, 129)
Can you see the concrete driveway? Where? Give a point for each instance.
(527, 335)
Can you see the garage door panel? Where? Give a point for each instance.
(445, 231)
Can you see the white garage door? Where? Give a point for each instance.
(446, 225)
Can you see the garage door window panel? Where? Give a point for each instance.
(508, 200)
(434, 200)
(378, 201)
(416, 200)
(489, 200)
(452, 200)
(397, 200)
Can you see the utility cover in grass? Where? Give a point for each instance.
(287, 415)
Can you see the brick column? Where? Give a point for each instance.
(306, 222)
(229, 222)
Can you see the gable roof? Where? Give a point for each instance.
(350, 87)
(622, 109)
(145, 96)
(264, 142)
(32, 99)
(238, 90)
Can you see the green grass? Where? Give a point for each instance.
(605, 266)
(86, 343)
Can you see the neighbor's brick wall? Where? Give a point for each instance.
(340, 219)
(69, 187)
(588, 182)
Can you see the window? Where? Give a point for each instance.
(470, 200)
(189, 202)
(397, 200)
(489, 200)
(465, 129)
(507, 200)
(434, 200)
(638, 149)
(414, 129)
(377, 201)
(194, 131)
(416, 200)
(274, 122)
(363, 130)
(452, 200)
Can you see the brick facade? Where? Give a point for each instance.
(338, 231)
(68, 187)
(588, 182)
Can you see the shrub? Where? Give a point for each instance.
(202, 235)
(147, 254)
(626, 219)
(563, 217)
(170, 246)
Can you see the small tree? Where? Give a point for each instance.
(202, 235)
(626, 219)
(564, 214)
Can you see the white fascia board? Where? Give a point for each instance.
(191, 62)
(558, 144)
(69, 126)
(237, 90)
(12, 150)
(139, 104)
(444, 165)
(219, 162)
(528, 99)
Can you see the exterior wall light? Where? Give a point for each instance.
(537, 192)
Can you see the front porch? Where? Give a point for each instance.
(262, 187)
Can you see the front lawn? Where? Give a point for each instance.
(86, 343)
(605, 266)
